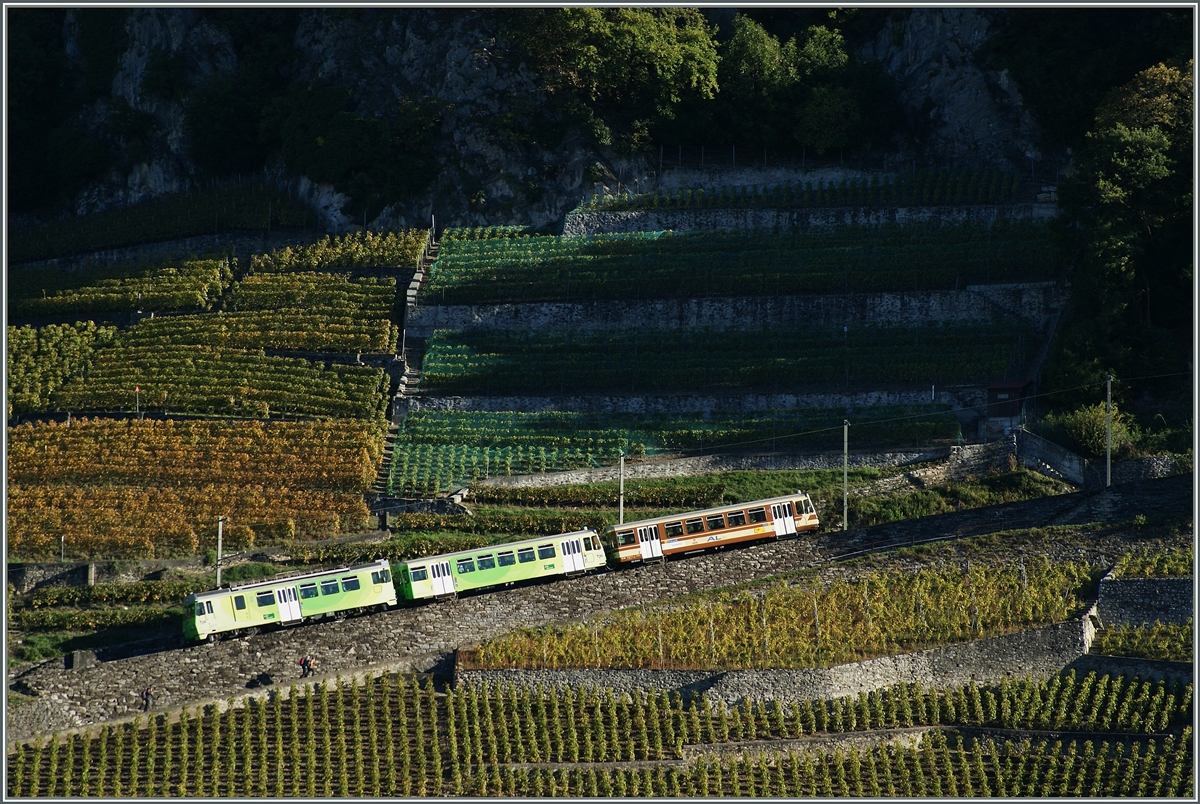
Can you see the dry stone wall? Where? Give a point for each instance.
(1038, 652)
(1033, 302)
(582, 223)
(1145, 601)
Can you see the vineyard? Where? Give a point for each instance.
(247, 206)
(437, 449)
(1171, 642)
(294, 329)
(329, 293)
(355, 250)
(101, 289)
(40, 360)
(671, 361)
(512, 267)
(395, 737)
(885, 614)
(918, 188)
(1178, 563)
(129, 488)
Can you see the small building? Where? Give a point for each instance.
(1005, 408)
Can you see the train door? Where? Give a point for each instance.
(785, 519)
(572, 553)
(650, 543)
(289, 604)
(443, 581)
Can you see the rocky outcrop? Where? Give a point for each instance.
(970, 116)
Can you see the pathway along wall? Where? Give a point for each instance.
(417, 638)
(580, 222)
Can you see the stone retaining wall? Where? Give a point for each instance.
(578, 222)
(1038, 652)
(1144, 601)
(961, 397)
(1033, 302)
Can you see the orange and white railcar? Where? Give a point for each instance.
(655, 539)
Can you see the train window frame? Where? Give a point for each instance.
(351, 584)
(674, 529)
(329, 586)
(808, 506)
(412, 574)
(694, 525)
(239, 602)
(379, 577)
(757, 515)
(486, 562)
(506, 559)
(625, 538)
(308, 591)
(525, 555)
(736, 518)
(546, 551)
(265, 598)
(464, 565)
(708, 521)
(199, 608)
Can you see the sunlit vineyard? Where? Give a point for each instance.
(917, 188)
(192, 379)
(325, 293)
(49, 290)
(495, 267)
(396, 737)
(1178, 563)
(1170, 642)
(355, 250)
(213, 210)
(670, 361)
(437, 449)
(134, 488)
(40, 360)
(884, 614)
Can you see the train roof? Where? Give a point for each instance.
(494, 547)
(301, 575)
(718, 509)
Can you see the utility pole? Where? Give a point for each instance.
(845, 472)
(621, 492)
(1108, 433)
(220, 524)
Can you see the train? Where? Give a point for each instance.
(285, 600)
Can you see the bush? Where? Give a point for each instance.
(1083, 431)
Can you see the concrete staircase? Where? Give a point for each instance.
(379, 488)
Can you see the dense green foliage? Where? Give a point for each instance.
(355, 250)
(1157, 564)
(708, 361)
(396, 737)
(483, 269)
(1172, 643)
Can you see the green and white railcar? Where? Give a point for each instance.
(544, 556)
(288, 600)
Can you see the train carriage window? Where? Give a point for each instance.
(486, 562)
(329, 586)
(308, 590)
(380, 576)
(507, 559)
(239, 602)
(695, 525)
(208, 605)
(199, 609)
(736, 518)
(715, 521)
(418, 574)
(525, 555)
(465, 565)
(266, 599)
(350, 584)
(625, 537)
(674, 529)
(546, 551)
(758, 514)
(808, 507)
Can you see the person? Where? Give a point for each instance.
(306, 666)
(147, 698)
